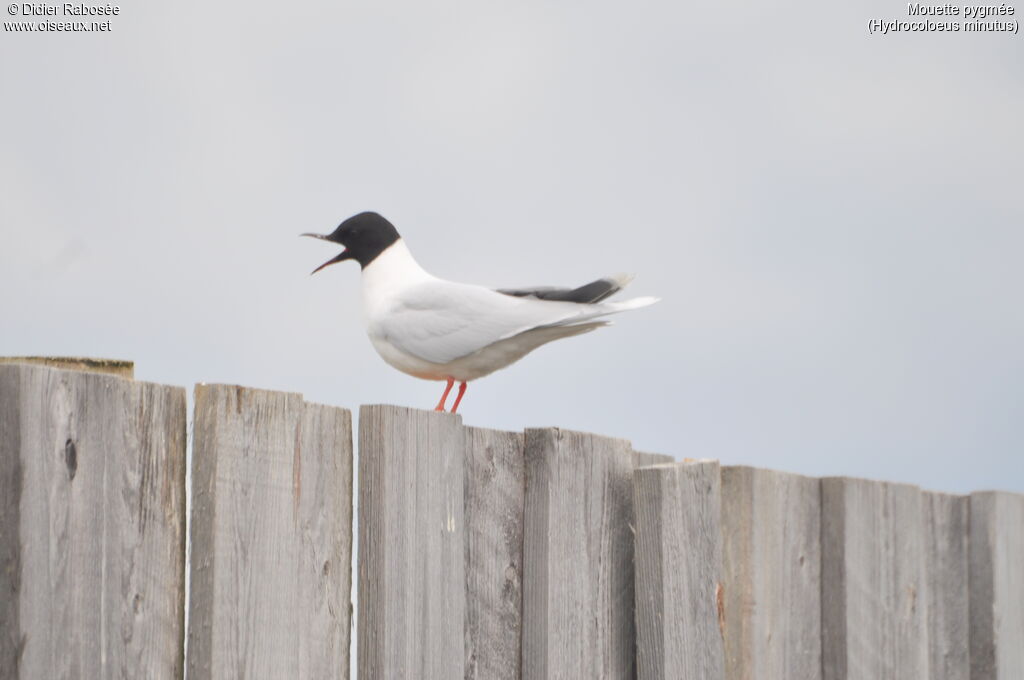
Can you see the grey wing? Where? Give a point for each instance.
(443, 321)
(589, 293)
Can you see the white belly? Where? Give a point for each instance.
(471, 367)
(484, 361)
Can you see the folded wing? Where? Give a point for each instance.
(440, 321)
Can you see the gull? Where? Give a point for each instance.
(435, 329)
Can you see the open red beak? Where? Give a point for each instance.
(340, 257)
(343, 255)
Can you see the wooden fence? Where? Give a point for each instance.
(481, 554)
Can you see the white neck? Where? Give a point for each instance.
(389, 273)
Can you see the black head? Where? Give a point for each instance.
(365, 236)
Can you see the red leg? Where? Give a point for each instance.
(462, 390)
(440, 404)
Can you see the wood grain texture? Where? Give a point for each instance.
(92, 547)
(771, 574)
(412, 587)
(873, 598)
(945, 563)
(996, 585)
(271, 536)
(642, 459)
(495, 485)
(678, 563)
(577, 557)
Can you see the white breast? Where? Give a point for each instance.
(384, 279)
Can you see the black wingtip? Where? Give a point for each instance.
(589, 293)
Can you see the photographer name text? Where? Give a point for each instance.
(68, 9)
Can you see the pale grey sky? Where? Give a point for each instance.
(834, 220)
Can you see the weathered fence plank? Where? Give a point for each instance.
(495, 486)
(92, 551)
(771, 574)
(997, 585)
(873, 598)
(271, 536)
(577, 557)
(412, 587)
(678, 580)
(945, 563)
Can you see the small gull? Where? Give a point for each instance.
(442, 330)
